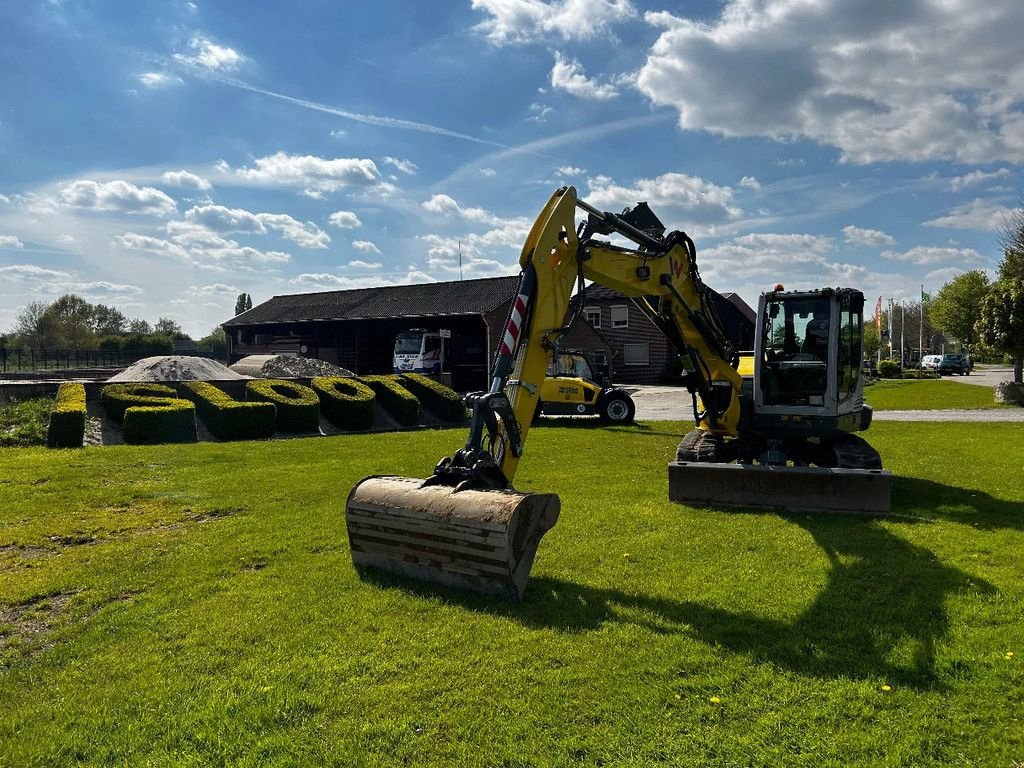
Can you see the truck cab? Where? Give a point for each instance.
(419, 351)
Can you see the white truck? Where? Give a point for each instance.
(420, 351)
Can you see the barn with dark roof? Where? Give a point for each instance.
(356, 328)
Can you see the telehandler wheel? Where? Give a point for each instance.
(618, 408)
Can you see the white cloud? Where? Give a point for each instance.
(218, 218)
(446, 205)
(327, 281)
(209, 55)
(750, 182)
(405, 166)
(120, 196)
(872, 237)
(10, 241)
(523, 21)
(366, 246)
(159, 79)
(133, 241)
(338, 133)
(977, 214)
(675, 194)
(186, 179)
(214, 289)
(923, 254)
(200, 246)
(974, 178)
(875, 81)
(570, 170)
(943, 275)
(359, 264)
(539, 113)
(30, 272)
(313, 173)
(488, 172)
(101, 287)
(344, 220)
(568, 75)
(5, 200)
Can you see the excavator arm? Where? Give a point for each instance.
(465, 525)
(659, 273)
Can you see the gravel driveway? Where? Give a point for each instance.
(661, 403)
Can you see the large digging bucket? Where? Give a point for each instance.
(484, 541)
(817, 489)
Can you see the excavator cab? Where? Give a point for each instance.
(807, 363)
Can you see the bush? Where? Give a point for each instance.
(346, 402)
(117, 398)
(298, 407)
(916, 373)
(444, 401)
(67, 419)
(396, 399)
(889, 369)
(150, 413)
(174, 422)
(231, 419)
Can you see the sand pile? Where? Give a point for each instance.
(286, 366)
(176, 368)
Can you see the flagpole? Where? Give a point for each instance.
(903, 323)
(920, 341)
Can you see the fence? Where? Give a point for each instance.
(27, 359)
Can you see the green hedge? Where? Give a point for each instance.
(444, 401)
(396, 399)
(174, 422)
(889, 369)
(231, 419)
(67, 419)
(150, 413)
(346, 402)
(298, 407)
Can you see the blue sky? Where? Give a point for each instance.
(165, 156)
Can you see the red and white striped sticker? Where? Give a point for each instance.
(515, 322)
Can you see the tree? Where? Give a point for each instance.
(139, 328)
(108, 321)
(168, 327)
(73, 316)
(243, 303)
(957, 307)
(1011, 240)
(215, 344)
(871, 340)
(1001, 325)
(35, 327)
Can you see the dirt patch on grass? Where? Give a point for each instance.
(24, 627)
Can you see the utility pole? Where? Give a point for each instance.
(903, 324)
(920, 342)
(460, 261)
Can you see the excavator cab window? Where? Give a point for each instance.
(795, 351)
(571, 365)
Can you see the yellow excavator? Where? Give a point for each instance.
(775, 428)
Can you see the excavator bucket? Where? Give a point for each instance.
(480, 540)
(812, 489)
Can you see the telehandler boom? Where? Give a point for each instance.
(779, 434)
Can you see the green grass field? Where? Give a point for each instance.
(927, 394)
(196, 605)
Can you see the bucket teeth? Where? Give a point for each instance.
(484, 541)
(813, 489)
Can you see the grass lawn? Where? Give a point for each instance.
(196, 605)
(927, 394)
(24, 422)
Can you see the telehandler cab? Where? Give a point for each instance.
(776, 430)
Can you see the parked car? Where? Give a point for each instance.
(951, 364)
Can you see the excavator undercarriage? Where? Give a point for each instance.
(772, 429)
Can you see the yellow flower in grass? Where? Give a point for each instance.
(886, 688)
(1009, 655)
(715, 700)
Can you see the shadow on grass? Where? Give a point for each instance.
(880, 615)
(927, 499)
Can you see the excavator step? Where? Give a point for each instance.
(480, 540)
(812, 489)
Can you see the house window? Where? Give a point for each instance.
(593, 316)
(620, 316)
(636, 354)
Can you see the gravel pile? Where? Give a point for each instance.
(176, 368)
(286, 366)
